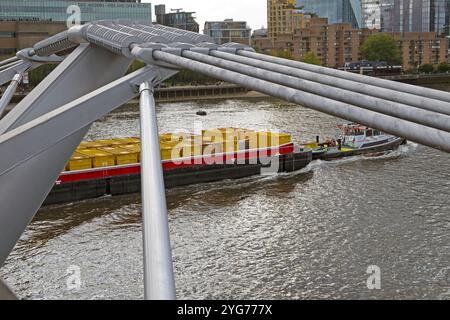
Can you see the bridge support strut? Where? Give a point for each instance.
(7, 96)
(158, 270)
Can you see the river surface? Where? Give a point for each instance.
(307, 235)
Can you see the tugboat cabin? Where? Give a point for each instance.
(357, 136)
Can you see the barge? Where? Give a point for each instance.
(111, 167)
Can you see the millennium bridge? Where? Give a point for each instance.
(38, 136)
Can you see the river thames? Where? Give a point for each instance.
(306, 235)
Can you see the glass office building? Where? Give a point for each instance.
(56, 11)
(441, 21)
(447, 19)
(421, 15)
(406, 15)
(336, 11)
(178, 19)
(228, 31)
(377, 14)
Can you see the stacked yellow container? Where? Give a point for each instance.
(98, 157)
(272, 139)
(90, 144)
(122, 156)
(79, 162)
(192, 148)
(171, 150)
(136, 148)
(110, 152)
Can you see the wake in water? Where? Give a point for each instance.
(403, 150)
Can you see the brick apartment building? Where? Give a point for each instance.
(17, 35)
(337, 44)
(283, 18)
(422, 47)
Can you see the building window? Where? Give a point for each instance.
(7, 51)
(7, 34)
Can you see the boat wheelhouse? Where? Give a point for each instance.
(356, 136)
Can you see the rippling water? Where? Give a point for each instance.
(306, 235)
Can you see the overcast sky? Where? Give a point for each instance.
(252, 11)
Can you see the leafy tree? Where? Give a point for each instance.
(382, 47)
(311, 58)
(426, 68)
(411, 70)
(37, 75)
(258, 49)
(285, 54)
(186, 77)
(443, 67)
(135, 66)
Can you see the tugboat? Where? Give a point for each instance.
(355, 140)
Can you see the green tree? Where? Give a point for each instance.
(187, 77)
(426, 68)
(38, 74)
(285, 54)
(311, 58)
(411, 70)
(135, 66)
(382, 47)
(443, 67)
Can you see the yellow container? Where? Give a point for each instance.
(195, 138)
(90, 144)
(136, 148)
(245, 134)
(133, 147)
(170, 143)
(230, 129)
(79, 162)
(271, 139)
(99, 158)
(105, 142)
(229, 134)
(207, 139)
(250, 137)
(191, 149)
(133, 140)
(212, 135)
(230, 145)
(172, 137)
(170, 151)
(212, 148)
(282, 138)
(120, 141)
(122, 156)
